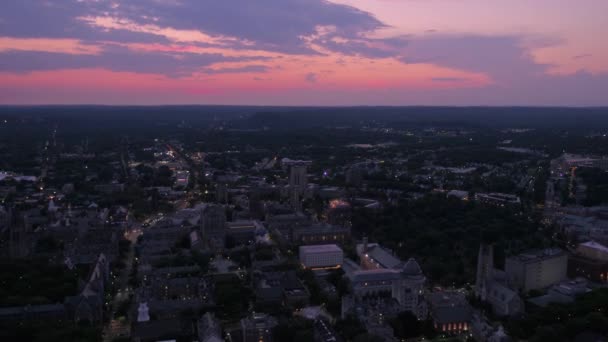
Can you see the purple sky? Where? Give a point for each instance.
(304, 52)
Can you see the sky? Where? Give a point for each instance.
(304, 52)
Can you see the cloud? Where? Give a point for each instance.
(59, 19)
(503, 58)
(448, 79)
(277, 25)
(274, 25)
(69, 46)
(237, 70)
(280, 26)
(118, 58)
(586, 55)
(311, 77)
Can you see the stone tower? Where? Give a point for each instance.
(485, 265)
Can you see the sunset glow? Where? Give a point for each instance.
(292, 52)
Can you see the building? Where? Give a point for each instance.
(274, 289)
(286, 223)
(498, 199)
(323, 332)
(339, 213)
(177, 288)
(491, 285)
(159, 330)
(354, 176)
(258, 327)
(243, 231)
(294, 292)
(321, 256)
(381, 274)
(450, 312)
(33, 312)
(567, 161)
(589, 261)
(295, 200)
(213, 225)
(182, 178)
(209, 329)
(298, 177)
(256, 205)
(537, 269)
(593, 250)
(460, 194)
(320, 234)
(563, 293)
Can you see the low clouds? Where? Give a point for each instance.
(279, 26)
(311, 77)
(501, 57)
(448, 79)
(117, 58)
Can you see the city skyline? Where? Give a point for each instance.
(294, 52)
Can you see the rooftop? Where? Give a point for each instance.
(379, 255)
(320, 249)
(540, 254)
(595, 245)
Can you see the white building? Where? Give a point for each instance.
(321, 256)
(537, 270)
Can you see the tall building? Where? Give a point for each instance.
(485, 267)
(537, 269)
(256, 206)
(491, 285)
(354, 176)
(296, 202)
(221, 193)
(213, 226)
(298, 178)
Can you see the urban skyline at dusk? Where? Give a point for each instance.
(296, 52)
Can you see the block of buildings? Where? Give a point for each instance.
(321, 256)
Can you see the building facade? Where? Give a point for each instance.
(537, 269)
(321, 256)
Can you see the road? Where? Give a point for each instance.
(120, 328)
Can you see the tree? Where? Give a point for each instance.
(163, 176)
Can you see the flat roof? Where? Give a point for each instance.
(596, 246)
(540, 254)
(320, 248)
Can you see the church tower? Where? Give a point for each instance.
(485, 265)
